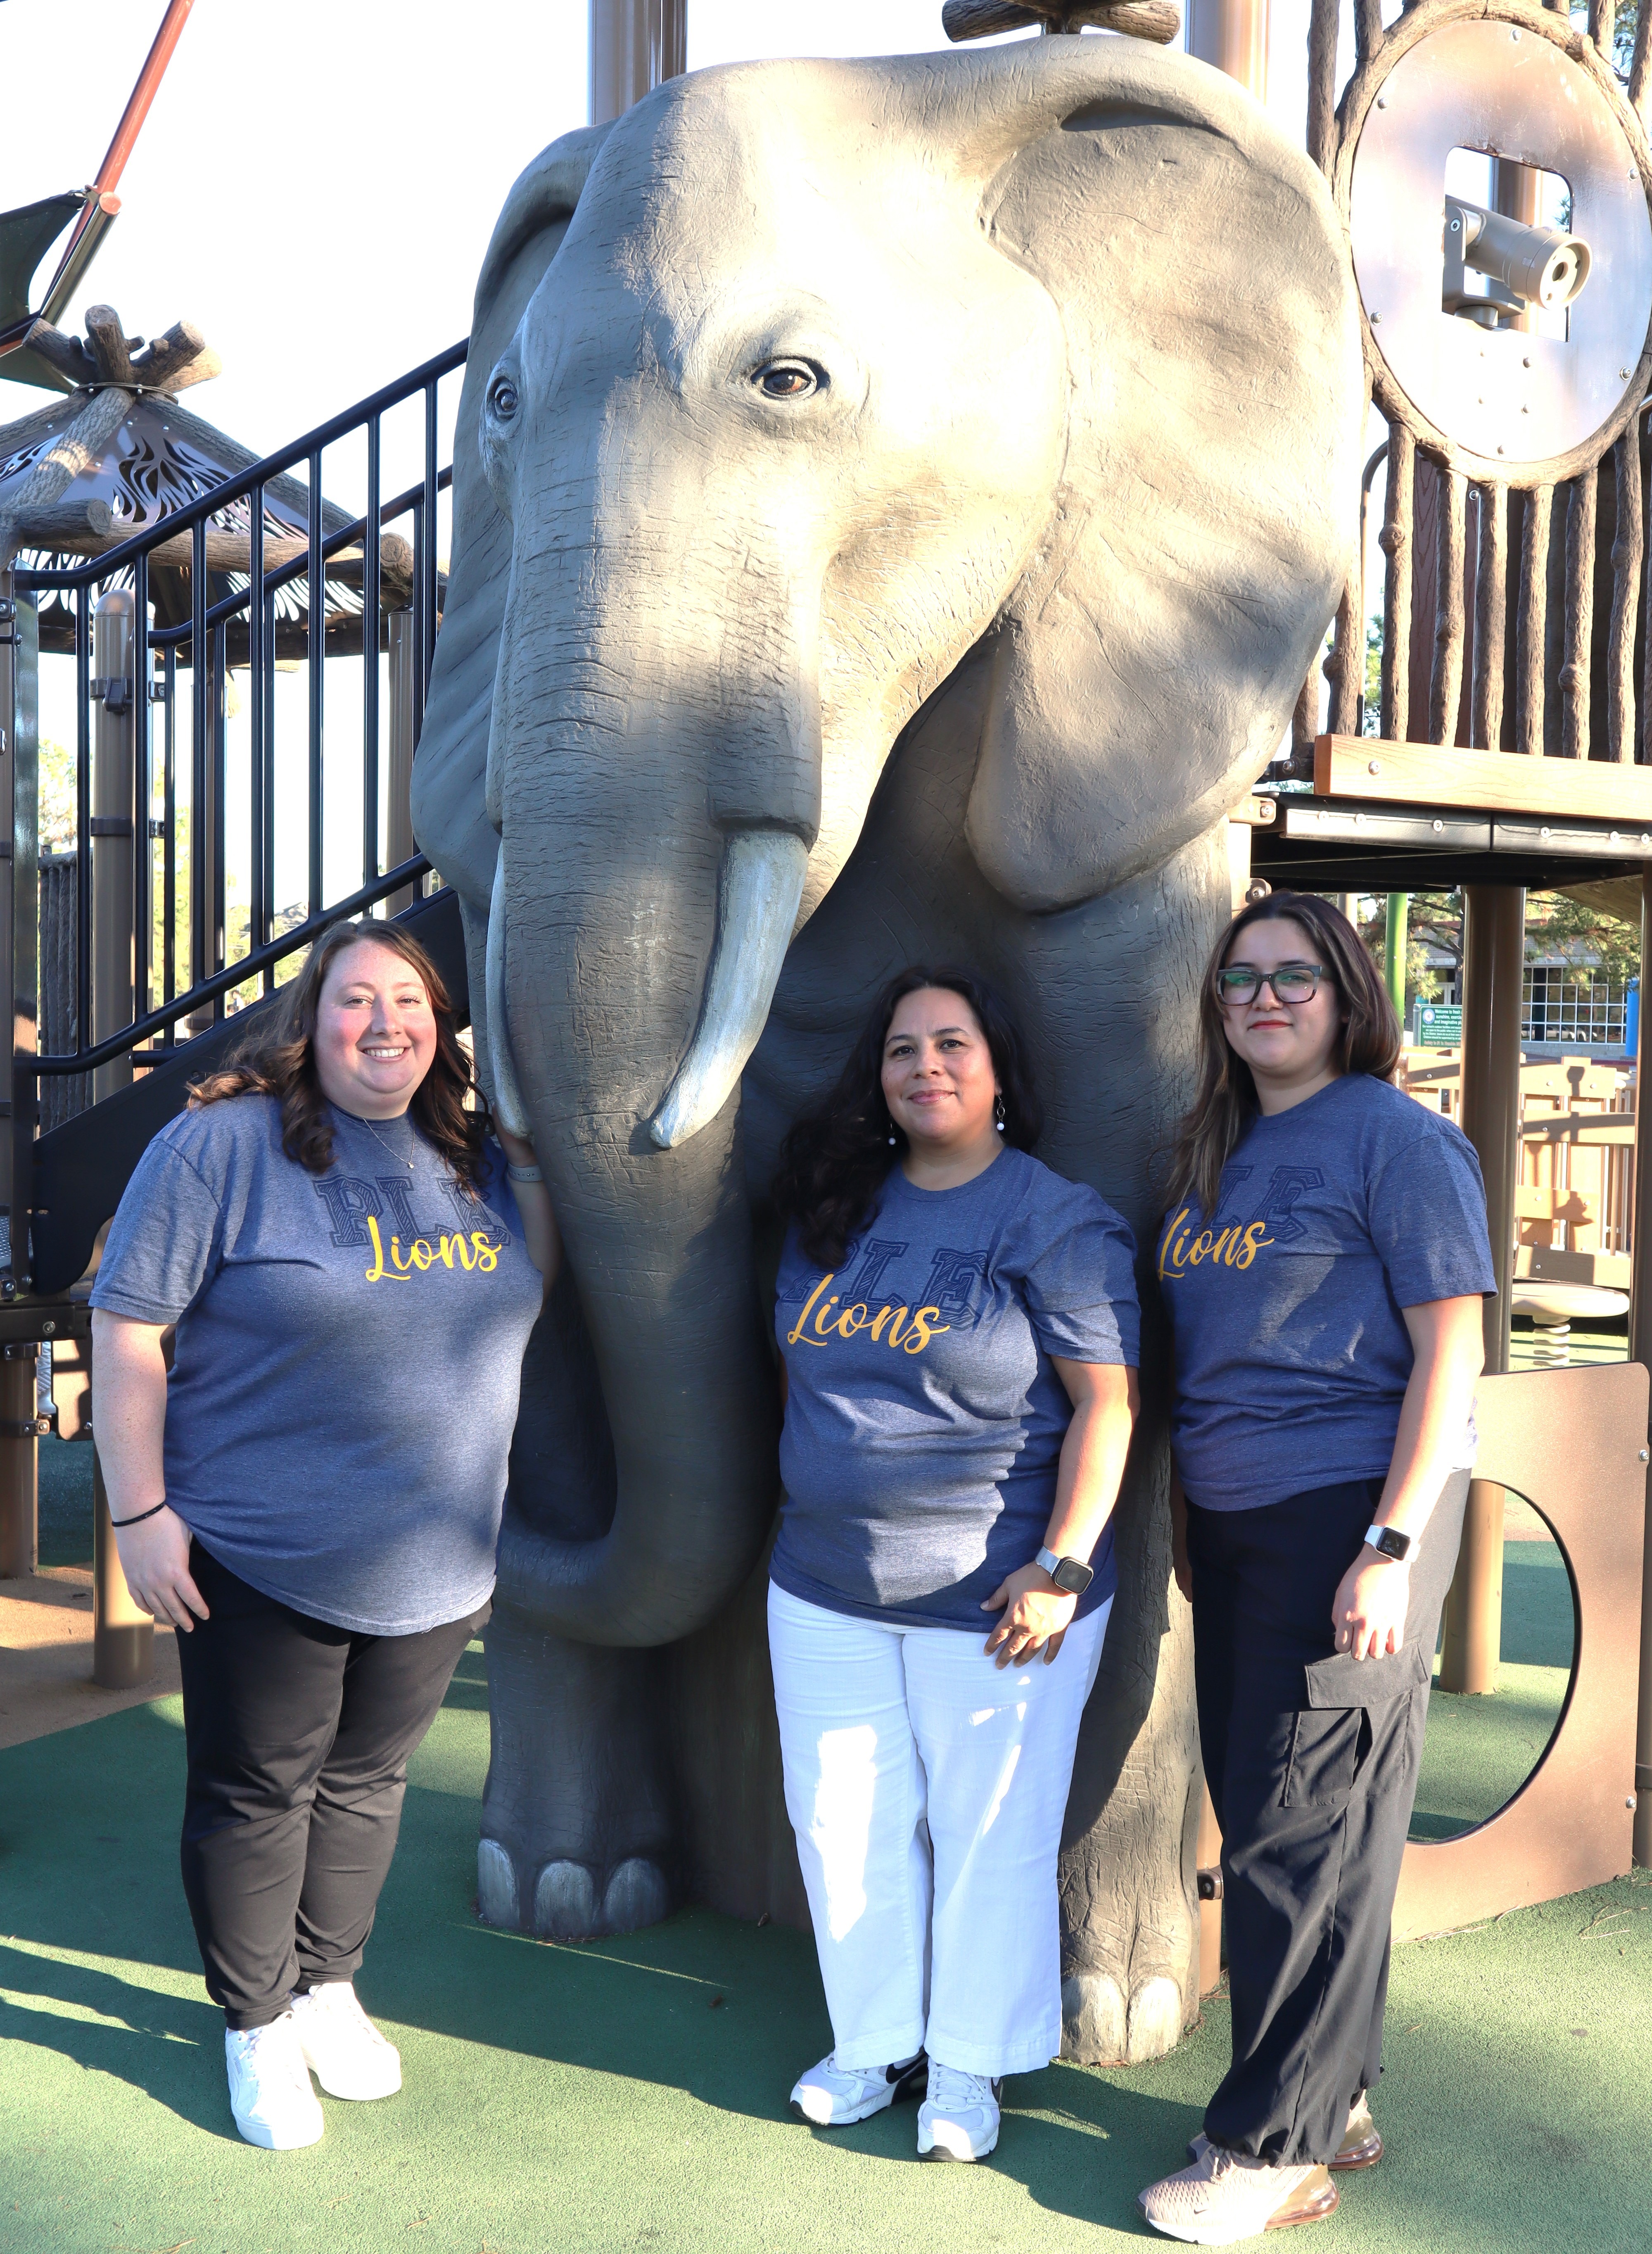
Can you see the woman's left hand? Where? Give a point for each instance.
(1369, 1609)
(1037, 1614)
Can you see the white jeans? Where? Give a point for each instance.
(927, 1789)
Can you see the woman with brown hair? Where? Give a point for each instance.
(1322, 1262)
(328, 1227)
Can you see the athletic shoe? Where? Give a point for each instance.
(958, 2118)
(1362, 2145)
(831, 2095)
(1223, 2198)
(269, 2091)
(342, 2048)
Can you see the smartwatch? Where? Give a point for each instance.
(1069, 1573)
(1388, 1544)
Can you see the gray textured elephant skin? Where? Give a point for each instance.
(896, 506)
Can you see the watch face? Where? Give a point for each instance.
(1073, 1576)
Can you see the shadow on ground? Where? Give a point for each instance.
(632, 2093)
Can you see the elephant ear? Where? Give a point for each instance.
(450, 772)
(1145, 667)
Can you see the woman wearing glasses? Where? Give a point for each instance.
(1322, 1261)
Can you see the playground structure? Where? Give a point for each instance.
(1508, 664)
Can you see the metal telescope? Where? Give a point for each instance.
(1527, 266)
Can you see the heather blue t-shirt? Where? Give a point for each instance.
(923, 1421)
(339, 1412)
(1292, 1353)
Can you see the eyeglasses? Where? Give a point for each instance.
(1293, 983)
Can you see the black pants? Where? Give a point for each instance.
(1312, 1759)
(298, 1736)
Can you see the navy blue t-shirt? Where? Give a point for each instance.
(1292, 1354)
(923, 1421)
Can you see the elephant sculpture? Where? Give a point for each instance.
(897, 504)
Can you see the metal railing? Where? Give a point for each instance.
(201, 642)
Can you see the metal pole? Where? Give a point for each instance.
(113, 1001)
(1396, 932)
(1641, 1350)
(1232, 35)
(20, 1464)
(1493, 963)
(402, 667)
(635, 46)
(122, 1637)
(20, 922)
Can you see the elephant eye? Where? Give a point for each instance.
(790, 379)
(502, 397)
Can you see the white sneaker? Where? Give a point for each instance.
(958, 2119)
(1225, 2197)
(833, 2095)
(342, 2048)
(269, 2091)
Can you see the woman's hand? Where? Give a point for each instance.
(1369, 1609)
(534, 1203)
(155, 1559)
(1035, 1614)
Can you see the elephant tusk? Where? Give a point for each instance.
(507, 1096)
(759, 892)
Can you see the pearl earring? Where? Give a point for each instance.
(997, 1112)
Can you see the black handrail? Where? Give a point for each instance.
(225, 980)
(201, 642)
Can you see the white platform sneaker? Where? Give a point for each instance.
(341, 2046)
(831, 2095)
(1225, 2198)
(958, 2119)
(269, 2091)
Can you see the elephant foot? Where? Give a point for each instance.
(1104, 2025)
(566, 1904)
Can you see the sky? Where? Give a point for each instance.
(315, 187)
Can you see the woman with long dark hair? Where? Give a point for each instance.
(958, 1331)
(328, 1227)
(1323, 1260)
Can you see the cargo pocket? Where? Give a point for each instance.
(1328, 1746)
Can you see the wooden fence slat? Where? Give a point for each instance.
(1321, 80)
(1446, 689)
(1368, 28)
(1345, 667)
(1531, 624)
(1395, 540)
(1491, 610)
(1627, 543)
(1574, 673)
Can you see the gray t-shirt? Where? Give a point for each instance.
(923, 1421)
(349, 1354)
(1288, 1302)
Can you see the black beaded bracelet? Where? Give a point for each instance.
(141, 1515)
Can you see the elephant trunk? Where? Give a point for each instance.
(653, 848)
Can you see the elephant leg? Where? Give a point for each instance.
(578, 1815)
(578, 1818)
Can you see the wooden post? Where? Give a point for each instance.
(1232, 35)
(114, 629)
(398, 820)
(19, 1465)
(635, 46)
(1641, 1350)
(1493, 963)
(122, 1637)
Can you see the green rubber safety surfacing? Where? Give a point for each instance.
(632, 2093)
